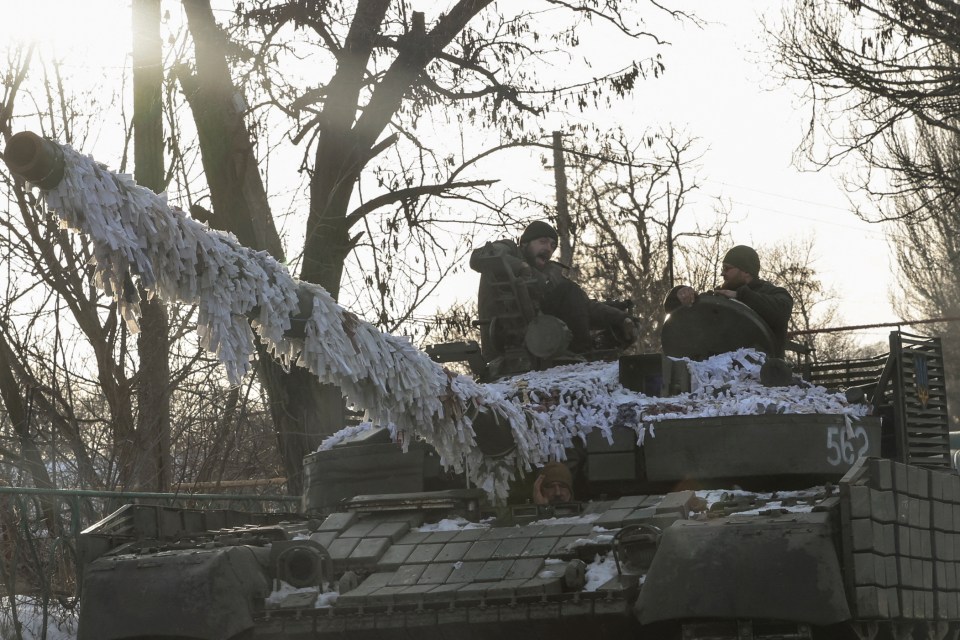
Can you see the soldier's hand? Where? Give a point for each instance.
(521, 268)
(727, 293)
(538, 497)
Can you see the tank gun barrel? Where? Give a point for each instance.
(35, 159)
(133, 232)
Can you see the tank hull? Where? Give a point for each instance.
(878, 549)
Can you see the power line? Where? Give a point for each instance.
(778, 195)
(879, 234)
(879, 325)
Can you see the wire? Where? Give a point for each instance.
(879, 325)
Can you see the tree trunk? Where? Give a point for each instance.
(236, 188)
(13, 395)
(327, 244)
(153, 343)
(345, 141)
(344, 147)
(303, 410)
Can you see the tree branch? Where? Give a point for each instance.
(408, 194)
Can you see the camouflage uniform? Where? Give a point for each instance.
(556, 295)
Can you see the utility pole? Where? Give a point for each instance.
(670, 219)
(563, 213)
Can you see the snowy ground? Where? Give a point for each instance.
(61, 625)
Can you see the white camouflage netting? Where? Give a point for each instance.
(564, 403)
(178, 259)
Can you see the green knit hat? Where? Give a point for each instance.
(744, 258)
(538, 229)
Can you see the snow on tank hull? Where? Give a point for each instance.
(552, 570)
(880, 556)
(553, 577)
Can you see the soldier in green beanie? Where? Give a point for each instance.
(741, 281)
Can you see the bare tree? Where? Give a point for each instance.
(634, 236)
(926, 239)
(69, 367)
(890, 69)
(153, 343)
(31, 336)
(792, 265)
(881, 63)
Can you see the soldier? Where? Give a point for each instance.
(557, 295)
(741, 281)
(554, 485)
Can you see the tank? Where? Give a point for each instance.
(713, 499)
(772, 525)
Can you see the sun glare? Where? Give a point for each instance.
(90, 34)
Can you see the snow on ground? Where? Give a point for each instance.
(61, 625)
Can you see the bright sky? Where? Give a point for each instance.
(718, 86)
(101, 25)
(715, 88)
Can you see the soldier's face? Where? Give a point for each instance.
(556, 492)
(539, 251)
(733, 277)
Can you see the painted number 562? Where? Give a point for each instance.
(843, 448)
